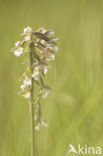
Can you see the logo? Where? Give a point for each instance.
(84, 149)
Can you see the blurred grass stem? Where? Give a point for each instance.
(31, 104)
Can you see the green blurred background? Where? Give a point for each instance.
(74, 109)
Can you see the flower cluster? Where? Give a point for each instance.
(42, 45)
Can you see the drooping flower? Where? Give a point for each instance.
(44, 122)
(45, 91)
(26, 84)
(36, 74)
(40, 69)
(18, 49)
(40, 121)
(27, 81)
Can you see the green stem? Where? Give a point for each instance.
(31, 104)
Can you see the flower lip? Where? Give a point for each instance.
(18, 52)
(27, 81)
(45, 70)
(36, 75)
(23, 87)
(27, 38)
(37, 128)
(18, 43)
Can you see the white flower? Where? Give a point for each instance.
(37, 128)
(42, 42)
(45, 91)
(27, 95)
(23, 87)
(39, 69)
(27, 38)
(36, 75)
(27, 81)
(27, 30)
(45, 70)
(18, 43)
(52, 56)
(18, 51)
(27, 33)
(56, 48)
(40, 121)
(26, 84)
(44, 122)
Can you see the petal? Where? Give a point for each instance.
(27, 29)
(49, 33)
(18, 43)
(53, 39)
(37, 128)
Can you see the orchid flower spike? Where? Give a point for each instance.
(39, 48)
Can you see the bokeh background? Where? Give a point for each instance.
(74, 110)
